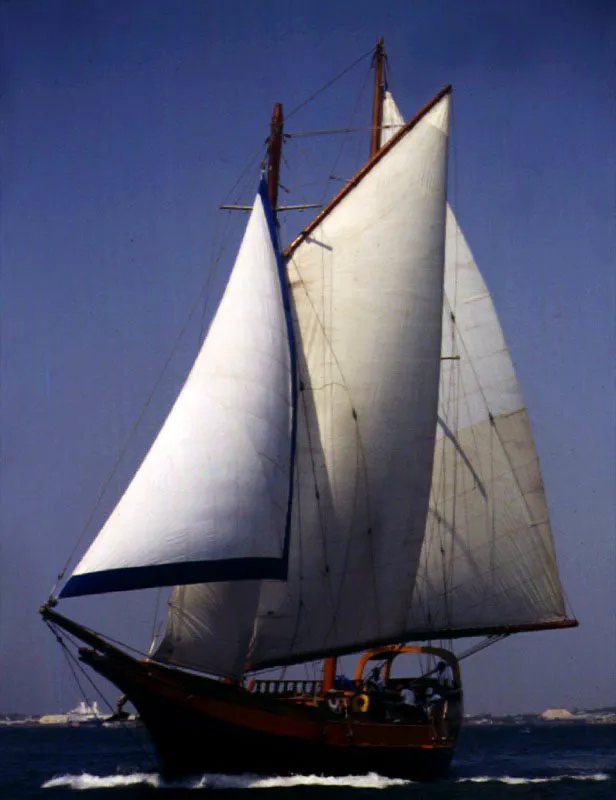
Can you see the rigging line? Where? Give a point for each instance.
(300, 552)
(72, 663)
(319, 507)
(485, 643)
(69, 658)
(244, 172)
(332, 170)
(329, 83)
(328, 131)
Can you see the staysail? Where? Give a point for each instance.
(211, 499)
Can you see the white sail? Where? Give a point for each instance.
(488, 559)
(367, 288)
(366, 564)
(210, 501)
(209, 627)
(392, 120)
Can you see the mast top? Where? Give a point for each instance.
(378, 62)
(274, 151)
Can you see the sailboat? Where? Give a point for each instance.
(348, 468)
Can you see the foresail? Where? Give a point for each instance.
(366, 282)
(488, 559)
(210, 502)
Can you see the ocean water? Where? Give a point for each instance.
(549, 761)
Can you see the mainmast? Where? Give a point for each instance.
(274, 150)
(378, 62)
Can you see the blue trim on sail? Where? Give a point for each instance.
(225, 569)
(286, 302)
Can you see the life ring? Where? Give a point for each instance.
(360, 703)
(334, 702)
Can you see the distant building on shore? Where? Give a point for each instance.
(53, 719)
(556, 714)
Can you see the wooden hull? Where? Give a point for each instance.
(199, 725)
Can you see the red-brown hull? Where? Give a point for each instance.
(202, 726)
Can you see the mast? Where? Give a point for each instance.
(274, 150)
(378, 62)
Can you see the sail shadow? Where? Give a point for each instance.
(467, 463)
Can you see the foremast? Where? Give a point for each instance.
(274, 152)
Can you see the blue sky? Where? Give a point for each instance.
(126, 124)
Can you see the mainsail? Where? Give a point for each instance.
(367, 286)
(211, 499)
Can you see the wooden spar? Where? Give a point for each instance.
(274, 150)
(418, 636)
(378, 62)
(329, 673)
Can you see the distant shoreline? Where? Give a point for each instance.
(559, 716)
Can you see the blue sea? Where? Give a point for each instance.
(492, 761)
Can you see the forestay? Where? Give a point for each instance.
(211, 498)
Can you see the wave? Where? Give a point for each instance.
(213, 781)
(512, 781)
(86, 781)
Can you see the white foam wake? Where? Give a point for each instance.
(86, 781)
(598, 776)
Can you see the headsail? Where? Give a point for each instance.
(210, 501)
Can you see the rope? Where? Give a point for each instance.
(485, 643)
(330, 131)
(74, 665)
(329, 83)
